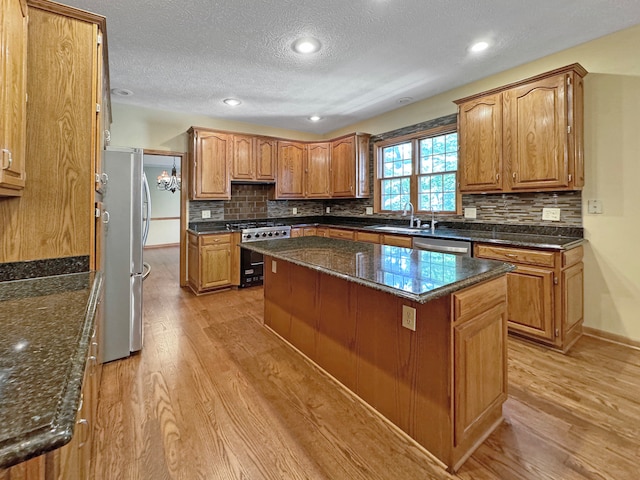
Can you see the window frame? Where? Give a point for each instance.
(414, 139)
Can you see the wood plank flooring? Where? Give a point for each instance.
(215, 395)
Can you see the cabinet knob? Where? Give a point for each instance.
(498, 177)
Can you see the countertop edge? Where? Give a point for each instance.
(41, 441)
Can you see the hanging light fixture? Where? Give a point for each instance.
(171, 182)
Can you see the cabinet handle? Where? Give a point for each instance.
(10, 157)
(497, 177)
(511, 255)
(106, 217)
(514, 175)
(85, 423)
(104, 178)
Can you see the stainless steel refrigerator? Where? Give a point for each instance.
(127, 201)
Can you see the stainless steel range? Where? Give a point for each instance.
(252, 263)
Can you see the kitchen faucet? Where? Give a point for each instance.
(404, 212)
(434, 222)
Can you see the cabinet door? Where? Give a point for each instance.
(212, 153)
(242, 158)
(291, 162)
(572, 296)
(535, 131)
(480, 143)
(215, 265)
(317, 170)
(193, 261)
(530, 307)
(13, 63)
(343, 167)
(265, 159)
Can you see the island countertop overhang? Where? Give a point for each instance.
(417, 275)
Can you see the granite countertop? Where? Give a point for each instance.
(45, 331)
(518, 236)
(418, 275)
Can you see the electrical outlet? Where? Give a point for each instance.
(470, 212)
(409, 317)
(328, 209)
(551, 214)
(594, 207)
(206, 213)
(295, 210)
(369, 210)
(274, 266)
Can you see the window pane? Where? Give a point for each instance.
(436, 183)
(388, 170)
(438, 145)
(436, 201)
(451, 162)
(423, 202)
(394, 159)
(449, 182)
(426, 148)
(426, 165)
(407, 170)
(451, 142)
(438, 163)
(449, 202)
(424, 184)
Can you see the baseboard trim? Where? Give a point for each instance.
(611, 337)
(162, 245)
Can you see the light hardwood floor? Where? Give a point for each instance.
(215, 395)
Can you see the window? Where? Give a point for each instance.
(421, 169)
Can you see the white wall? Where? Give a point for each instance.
(612, 150)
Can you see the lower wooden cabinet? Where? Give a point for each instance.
(213, 261)
(545, 292)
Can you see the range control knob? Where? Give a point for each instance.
(284, 232)
(277, 234)
(247, 236)
(264, 234)
(270, 234)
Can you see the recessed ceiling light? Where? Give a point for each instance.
(306, 45)
(232, 102)
(315, 118)
(121, 92)
(479, 47)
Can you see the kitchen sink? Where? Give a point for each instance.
(409, 230)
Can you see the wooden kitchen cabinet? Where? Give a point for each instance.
(342, 233)
(213, 261)
(545, 293)
(253, 158)
(290, 170)
(524, 137)
(317, 170)
(396, 240)
(13, 105)
(368, 237)
(209, 157)
(350, 167)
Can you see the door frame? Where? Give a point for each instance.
(184, 208)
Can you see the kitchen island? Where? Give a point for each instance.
(343, 304)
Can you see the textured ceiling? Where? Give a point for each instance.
(189, 55)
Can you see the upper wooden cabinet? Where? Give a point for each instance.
(13, 117)
(253, 158)
(527, 136)
(290, 171)
(350, 166)
(209, 160)
(317, 170)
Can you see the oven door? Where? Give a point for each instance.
(251, 268)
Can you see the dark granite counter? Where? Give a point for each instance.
(553, 238)
(417, 275)
(45, 331)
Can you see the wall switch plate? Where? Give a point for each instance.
(551, 214)
(206, 213)
(295, 210)
(409, 317)
(274, 266)
(470, 212)
(328, 209)
(369, 210)
(594, 207)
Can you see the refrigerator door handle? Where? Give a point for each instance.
(147, 205)
(135, 325)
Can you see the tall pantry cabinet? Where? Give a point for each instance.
(66, 115)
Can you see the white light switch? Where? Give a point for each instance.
(206, 213)
(551, 214)
(594, 207)
(369, 210)
(328, 209)
(274, 266)
(295, 211)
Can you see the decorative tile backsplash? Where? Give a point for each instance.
(251, 201)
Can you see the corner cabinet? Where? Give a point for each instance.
(213, 261)
(209, 159)
(13, 97)
(545, 293)
(524, 137)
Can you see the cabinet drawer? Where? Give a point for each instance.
(516, 255)
(397, 241)
(573, 256)
(368, 237)
(215, 239)
(344, 234)
(470, 302)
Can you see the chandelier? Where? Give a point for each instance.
(171, 182)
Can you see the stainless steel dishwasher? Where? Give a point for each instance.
(456, 247)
